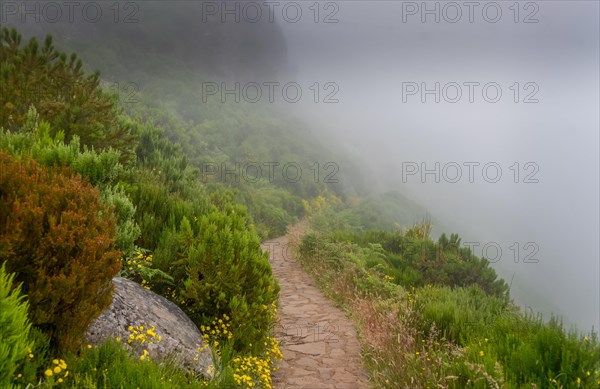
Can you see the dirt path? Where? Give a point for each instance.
(319, 344)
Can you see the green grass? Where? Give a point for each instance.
(111, 366)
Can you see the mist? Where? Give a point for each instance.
(531, 198)
(485, 113)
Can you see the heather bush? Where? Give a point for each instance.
(101, 168)
(58, 238)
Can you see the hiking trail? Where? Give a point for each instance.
(319, 343)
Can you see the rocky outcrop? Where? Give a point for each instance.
(133, 305)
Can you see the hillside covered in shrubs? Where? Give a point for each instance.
(89, 192)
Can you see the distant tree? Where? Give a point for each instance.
(443, 241)
(64, 96)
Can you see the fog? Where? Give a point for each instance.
(541, 212)
(497, 101)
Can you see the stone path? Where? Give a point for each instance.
(319, 344)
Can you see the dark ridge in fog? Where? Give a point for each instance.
(159, 36)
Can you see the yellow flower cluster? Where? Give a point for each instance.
(271, 311)
(249, 372)
(58, 370)
(220, 329)
(139, 261)
(140, 335)
(273, 352)
(134, 267)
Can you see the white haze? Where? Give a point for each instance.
(369, 53)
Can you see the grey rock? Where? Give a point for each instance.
(133, 305)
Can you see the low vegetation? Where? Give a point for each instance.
(431, 314)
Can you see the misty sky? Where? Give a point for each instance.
(370, 52)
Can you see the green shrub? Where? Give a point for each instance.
(226, 273)
(58, 239)
(322, 250)
(458, 313)
(160, 207)
(31, 368)
(33, 139)
(272, 209)
(127, 229)
(14, 328)
(418, 260)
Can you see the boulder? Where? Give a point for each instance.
(134, 305)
